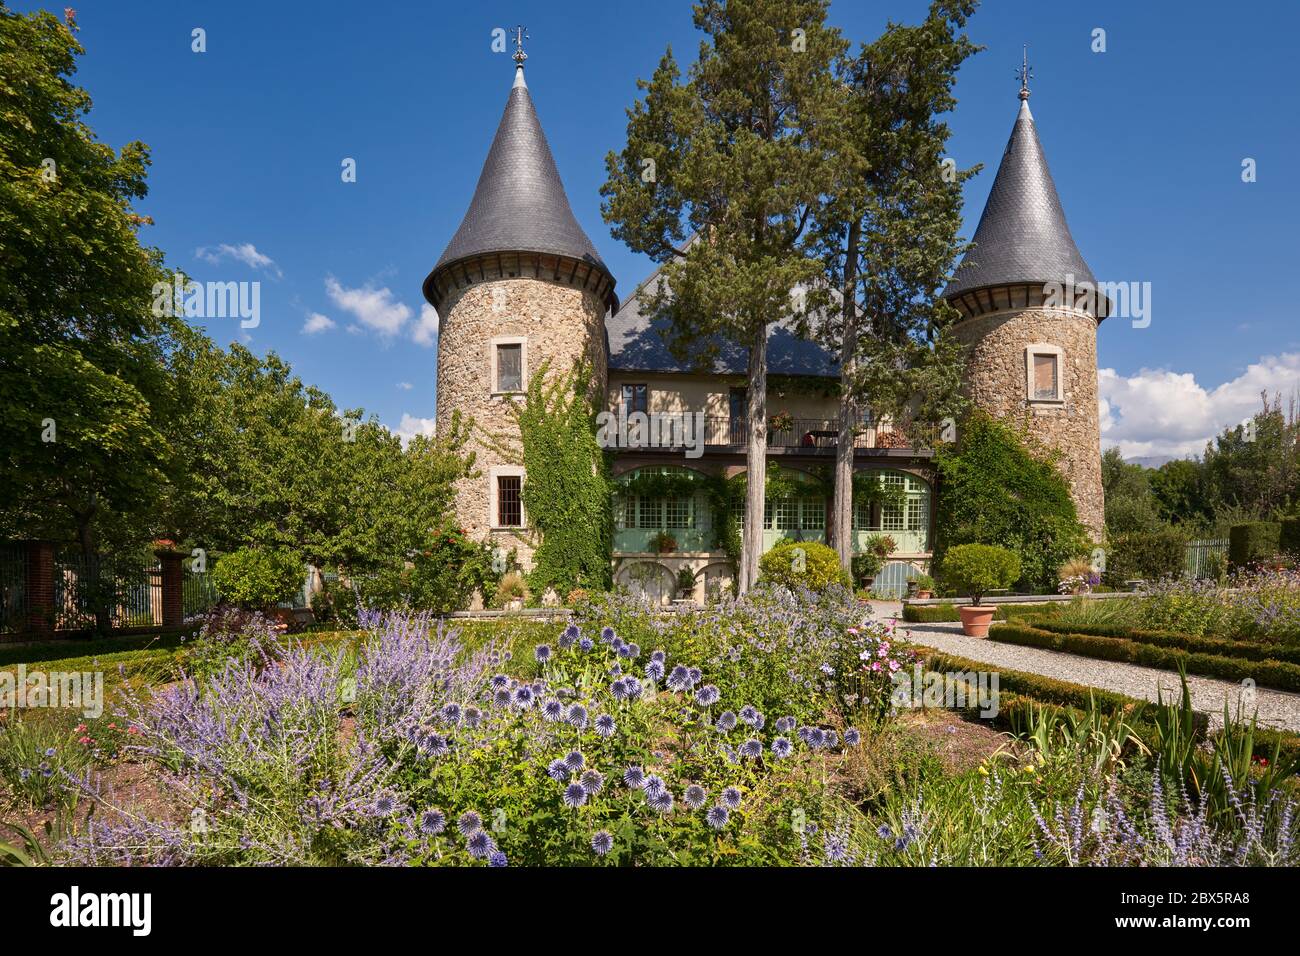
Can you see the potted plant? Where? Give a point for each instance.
(974, 570)
(780, 422)
(865, 568)
(924, 586)
(663, 542)
(512, 591)
(685, 583)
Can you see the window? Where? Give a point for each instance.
(814, 513)
(510, 507)
(650, 513)
(679, 513)
(918, 514)
(509, 367)
(635, 399)
(1043, 370)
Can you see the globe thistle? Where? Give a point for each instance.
(435, 745)
(731, 797)
(574, 760)
(782, 748)
(679, 679)
(451, 713)
(695, 675)
(499, 680)
(625, 651)
(653, 784)
(472, 716)
(749, 714)
(385, 804)
(707, 695)
(570, 635)
(480, 845)
(577, 716)
(602, 843)
(661, 801)
(593, 781)
(468, 822)
(632, 687)
(726, 721)
(498, 859)
(751, 748)
(616, 670)
(618, 690)
(432, 822)
(694, 796)
(557, 769)
(501, 698)
(574, 796)
(605, 725)
(816, 737)
(607, 634)
(831, 739)
(654, 670)
(717, 817)
(586, 644)
(852, 737)
(542, 652)
(553, 710)
(634, 777)
(785, 724)
(658, 657)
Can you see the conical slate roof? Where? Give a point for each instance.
(519, 204)
(1022, 237)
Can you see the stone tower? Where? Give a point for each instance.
(1031, 342)
(519, 285)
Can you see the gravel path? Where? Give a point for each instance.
(1275, 708)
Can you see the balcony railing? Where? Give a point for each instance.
(814, 433)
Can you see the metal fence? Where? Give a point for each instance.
(1198, 554)
(13, 588)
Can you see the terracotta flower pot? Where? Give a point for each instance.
(924, 595)
(975, 619)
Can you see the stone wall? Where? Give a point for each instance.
(996, 382)
(560, 323)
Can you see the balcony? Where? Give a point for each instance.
(802, 436)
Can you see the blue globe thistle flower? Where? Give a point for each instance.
(586, 644)
(816, 737)
(634, 777)
(749, 714)
(602, 843)
(435, 745)
(717, 817)
(658, 657)
(593, 781)
(731, 797)
(694, 796)
(782, 747)
(451, 713)
(607, 634)
(695, 674)
(852, 737)
(653, 784)
(616, 670)
(577, 716)
(654, 670)
(385, 804)
(661, 801)
(785, 724)
(539, 687)
(831, 739)
(542, 652)
(524, 697)
(679, 679)
(501, 698)
(480, 845)
(726, 721)
(574, 760)
(625, 651)
(634, 650)
(569, 636)
(751, 748)
(557, 769)
(432, 822)
(499, 680)
(472, 716)
(553, 710)
(618, 689)
(632, 686)
(605, 725)
(468, 822)
(707, 695)
(574, 796)
(498, 859)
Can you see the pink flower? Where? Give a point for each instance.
(81, 728)
(133, 730)
(84, 740)
(875, 665)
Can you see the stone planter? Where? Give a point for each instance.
(923, 595)
(976, 618)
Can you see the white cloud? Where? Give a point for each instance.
(410, 426)
(317, 323)
(426, 329)
(376, 309)
(245, 252)
(405, 386)
(1158, 412)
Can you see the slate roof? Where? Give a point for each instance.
(1022, 236)
(637, 344)
(519, 204)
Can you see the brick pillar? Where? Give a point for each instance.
(172, 573)
(40, 585)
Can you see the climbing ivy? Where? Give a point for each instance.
(566, 489)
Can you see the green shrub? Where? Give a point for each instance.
(1145, 554)
(808, 564)
(1289, 536)
(257, 578)
(976, 569)
(866, 565)
(34, 754)
(1252, 542)
(1227, 647)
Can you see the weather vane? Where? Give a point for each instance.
(1025, 74)
(521, 34)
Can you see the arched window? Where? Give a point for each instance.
(661, 500)
(901, 510)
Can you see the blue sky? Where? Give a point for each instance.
(1146, 143)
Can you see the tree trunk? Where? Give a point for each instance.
(755, 462)
(842, 508)
(92, 569)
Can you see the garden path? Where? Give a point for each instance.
(1275, 708)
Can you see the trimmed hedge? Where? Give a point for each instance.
(1145, 554)
(1224, 646)
(1289, 536)
(947, 613)
(1252, 542)
(1266, 673)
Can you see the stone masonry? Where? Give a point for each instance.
(996, 382)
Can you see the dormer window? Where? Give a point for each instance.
(1044, 367)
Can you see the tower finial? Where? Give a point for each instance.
(1025, 73)
(521, 34)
